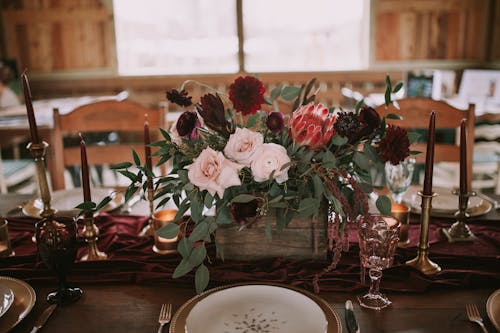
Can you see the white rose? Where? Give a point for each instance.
(211, 171)
(270, 157)
(242, 145)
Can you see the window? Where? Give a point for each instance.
(159, 37)
(155, 37)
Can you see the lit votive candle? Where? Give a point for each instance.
(160, 219)
(401, 212)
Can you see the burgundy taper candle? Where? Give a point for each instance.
(85, 171)
(147, 151)
(29, 108)
(463, 157)
(429, 158)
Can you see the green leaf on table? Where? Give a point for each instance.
(171, 230)
(137, 160)
(243, 198)
(198, 255)
(199, 232)
(201, 278)
(185, 247)
(123, 165)
(383, 204)
(183, 268)
(224, 216)
(290, 92)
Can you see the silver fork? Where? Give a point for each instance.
(473, 314)
(165, 315)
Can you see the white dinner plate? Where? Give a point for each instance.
(65, 201)
(24, 300)
(493, 308)
(6, 299)
(258, 307)
(445, 204)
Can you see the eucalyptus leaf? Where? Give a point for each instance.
(198, 255)
(171, 230)
(290, 92)
(224, 216)
(397, 87)
(184, 247)
(165, 135)
(123, 165)
(103, 203)
(383, 204)
(276, 92)
(244, 198)
(137, 160)
(338, 140)
(199, 232)
(184, 267)
(87, 206)
(268, 230)
(219, 248)
(393, 116)
(201, 278)
(196, 208)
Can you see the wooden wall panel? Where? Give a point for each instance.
(495, 36)
(430, 30)
(54, 35)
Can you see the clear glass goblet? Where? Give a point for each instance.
(378, 237)
(398, 177)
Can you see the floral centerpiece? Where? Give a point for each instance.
(242, 162)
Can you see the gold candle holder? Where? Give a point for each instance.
(38, 151)
(422, 261)
(91, 234)
(460, 231)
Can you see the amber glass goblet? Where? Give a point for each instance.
(56, 240)
(378, 238)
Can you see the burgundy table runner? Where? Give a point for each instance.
(131, 260)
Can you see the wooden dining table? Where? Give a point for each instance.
(133, 303)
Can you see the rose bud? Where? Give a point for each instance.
(275, 122)
(187, 124)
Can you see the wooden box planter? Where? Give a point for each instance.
(302, 239)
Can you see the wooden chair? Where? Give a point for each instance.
(124, 117)
(416, 112)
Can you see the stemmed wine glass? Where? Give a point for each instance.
(378, 237)
(398, 177)
(57, 245)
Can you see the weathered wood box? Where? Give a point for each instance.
(302, 239)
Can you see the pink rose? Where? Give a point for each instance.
(242, 145)
(211, 171)
(270, 157)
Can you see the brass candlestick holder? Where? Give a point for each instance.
(148, 229)
(38, 151)
(422, 261)
(460, 231)
(91, 234)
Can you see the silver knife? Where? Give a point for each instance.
(40, 321)
(350, 319)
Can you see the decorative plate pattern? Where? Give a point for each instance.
(178, 322)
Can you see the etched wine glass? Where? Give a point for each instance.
(56, 240)
(398, 177)
(378, 237)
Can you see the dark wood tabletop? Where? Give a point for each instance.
(135, 308)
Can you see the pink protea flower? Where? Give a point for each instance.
(312, 125)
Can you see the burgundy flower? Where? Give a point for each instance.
(370, 120)
(179, 97)
(247, 94)
(275, 122)
(245, 213)
(187, 125)
(211, 109)
(348, 125)
(395, 145)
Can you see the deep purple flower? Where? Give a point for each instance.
(179, 97)
(370, 121)
(395, 145)
(275, 122)
(211, 109)
(187, 125)
(247, 94)
(245, 213)
(348, 125)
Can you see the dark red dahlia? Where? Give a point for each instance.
(348, 125)
(247, 94)
(187, 125)
(275, 122)
(179, 97)
(211, 109)
(395, 145)
(245, 213)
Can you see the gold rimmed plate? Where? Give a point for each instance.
(445, 204)
(493, 308)
(24, 300)
(65, 201)
(178, 323)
